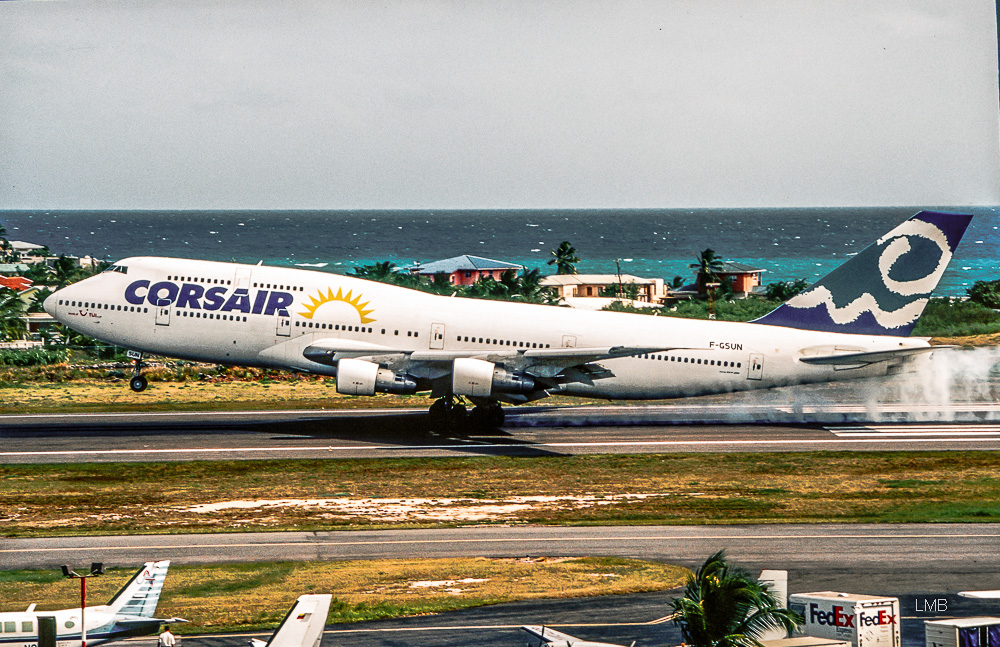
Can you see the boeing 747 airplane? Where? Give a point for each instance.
(374, 337)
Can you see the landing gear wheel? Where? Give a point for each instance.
(458, 414)
(438, 413)
(446, 412)
(138, 383)
(486, 416)
(494, 416)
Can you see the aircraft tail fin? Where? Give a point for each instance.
(141, 594)
(882, 290)
(304, 623)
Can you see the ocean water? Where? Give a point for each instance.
(787, 243)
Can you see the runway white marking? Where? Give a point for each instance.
(844, 438)
(982, 432)
(500, 540)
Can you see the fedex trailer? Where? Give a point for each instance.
(862, 620)
(962, 632)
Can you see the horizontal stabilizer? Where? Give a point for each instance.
(855, 359)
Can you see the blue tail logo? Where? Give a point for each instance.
(882, 290)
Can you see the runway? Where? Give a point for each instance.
(921, 557)
(537, 431)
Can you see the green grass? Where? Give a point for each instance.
(808, 487)
(224, 597)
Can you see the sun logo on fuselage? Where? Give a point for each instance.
(330, 297)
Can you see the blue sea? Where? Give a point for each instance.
(787, 243)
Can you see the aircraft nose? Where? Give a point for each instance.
(50, 304)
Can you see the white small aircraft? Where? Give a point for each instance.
(853, 323)
(128, 613)
(302, 626)
(551, 638)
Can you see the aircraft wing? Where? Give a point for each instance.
(863, 359)
(982, 595)
(330, 351)
(543, 369)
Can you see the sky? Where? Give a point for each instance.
(421, 104)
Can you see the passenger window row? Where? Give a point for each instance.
(101, 306)
(197, 314)
(27, 626)
(344, 327)
(500, 342)
(274, 286)
(694, 360)
(326, 326)
(196, 279)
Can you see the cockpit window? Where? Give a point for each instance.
(123, 269)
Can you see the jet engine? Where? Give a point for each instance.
(478, 378)
(358, 377)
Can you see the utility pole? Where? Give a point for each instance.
(96, 568)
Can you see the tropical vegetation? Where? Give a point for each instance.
(564, 258)
(725, 606)
(511, 286)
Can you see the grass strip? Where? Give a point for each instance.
(256, 596)
(802, 487)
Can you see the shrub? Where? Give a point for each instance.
(39, 356)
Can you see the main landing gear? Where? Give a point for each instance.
(138, 383)
(451, 412)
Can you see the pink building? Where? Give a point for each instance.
(465, 269)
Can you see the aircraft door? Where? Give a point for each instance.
(437, 336)
(46, 631)
(569, 341)
(284, 327)
(756, 369)
(163, 315)
(242, 278)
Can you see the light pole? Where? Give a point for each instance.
(96, 568)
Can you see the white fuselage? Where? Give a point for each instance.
(20, 629)
(266, 316)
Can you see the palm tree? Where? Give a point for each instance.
(66, 271)
(11, 311)
(725, 606)
(564, 258)
(6, 251)
(709, 265)
(384, 271)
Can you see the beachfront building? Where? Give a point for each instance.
(744, 278)
(465, 269)
(597, 290)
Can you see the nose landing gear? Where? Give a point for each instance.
(138, 383)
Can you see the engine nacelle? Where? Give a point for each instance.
(358, 377)
(479, 378)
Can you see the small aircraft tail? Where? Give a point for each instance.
(141, 594)
(882, 290)
(303, 625)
